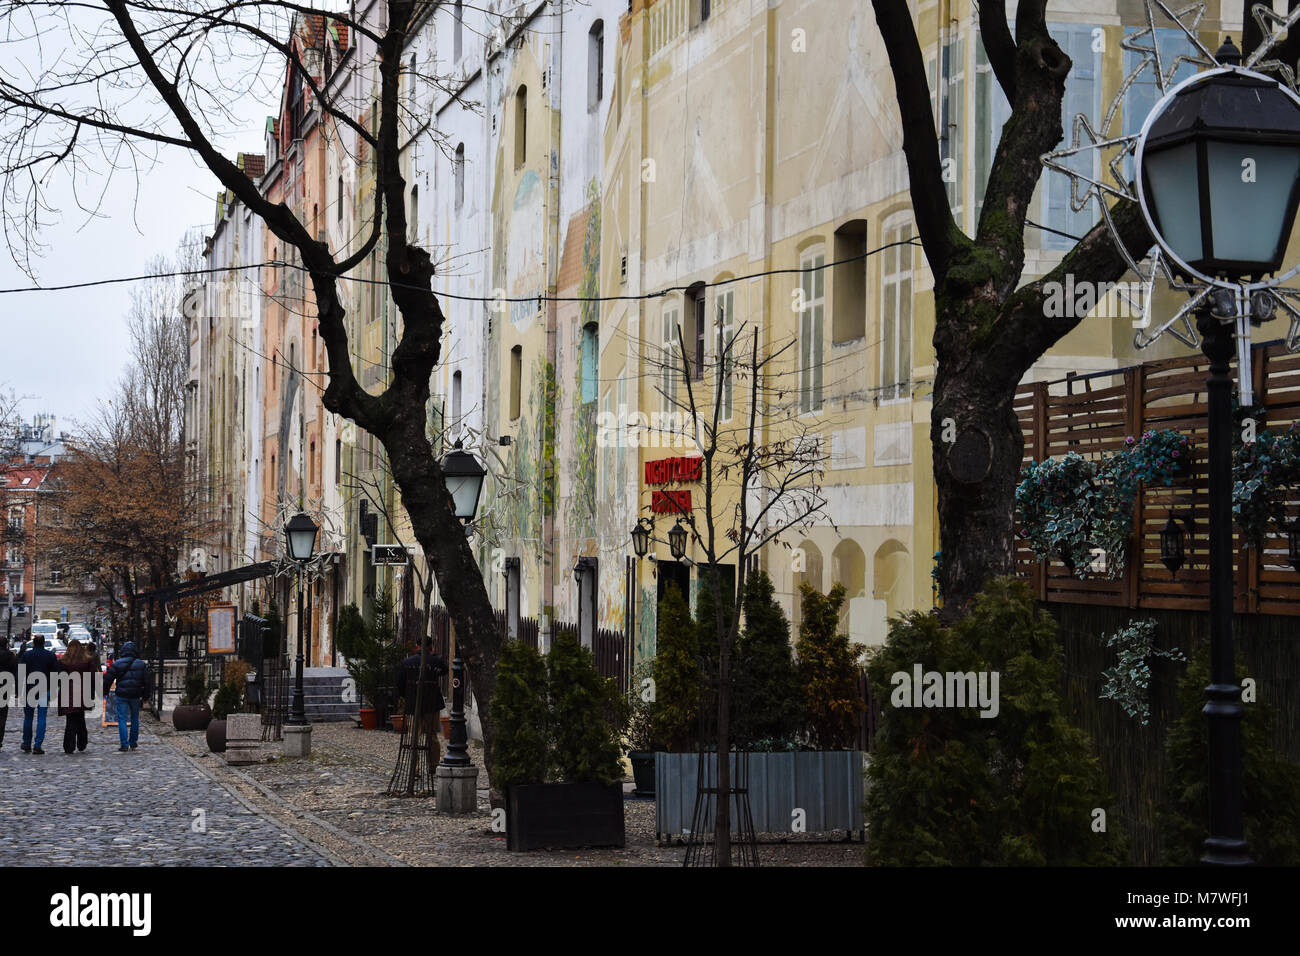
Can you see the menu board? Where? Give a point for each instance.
(221, 628)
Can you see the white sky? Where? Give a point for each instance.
(65, 351)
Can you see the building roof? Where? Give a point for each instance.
(23, 477)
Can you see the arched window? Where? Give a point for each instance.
(724, 349)
(340, 200)
(414, 214)
(808, 570)
(595, 65)
(458, 175)
(849, 568)
(896, 312)
(812, 323)
(455, 398)
(521, 127)
(590, 361)
(516, 379)
(458, 32)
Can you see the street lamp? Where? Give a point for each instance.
(677, 541)
(641, 537)
(300, 535)
(464, 477)
(1218, 164)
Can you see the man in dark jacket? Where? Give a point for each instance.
(431, 701)
(134, 682)
(8, 665)
(37, 659)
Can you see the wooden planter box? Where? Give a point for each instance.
(564, 816)
(827, 785)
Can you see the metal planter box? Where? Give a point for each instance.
(826, 785)
(564, 816)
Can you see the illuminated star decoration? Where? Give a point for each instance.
(1093, 141)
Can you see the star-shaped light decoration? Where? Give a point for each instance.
(1088, 138)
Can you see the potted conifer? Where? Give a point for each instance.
(557, 756)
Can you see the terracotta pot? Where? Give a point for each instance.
(399, 722)
(217, 736)
(446, 728)
(191, 717)
(369, 720)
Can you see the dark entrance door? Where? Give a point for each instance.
(674, 572)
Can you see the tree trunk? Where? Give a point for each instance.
(978, 446)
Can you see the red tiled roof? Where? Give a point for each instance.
(16, 473)
(253, 164)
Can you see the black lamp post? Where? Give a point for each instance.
(464, 477)
(1219, 182)
(300, 534)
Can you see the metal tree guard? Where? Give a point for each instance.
(701, 845)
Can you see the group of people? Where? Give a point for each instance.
(129, 673)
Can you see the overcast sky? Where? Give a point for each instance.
(66, 350)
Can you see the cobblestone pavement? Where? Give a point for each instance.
(148, 807)
(335, 798)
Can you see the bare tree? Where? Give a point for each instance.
(128, 504)
(145, 77)
(990, 329)
(761, 469)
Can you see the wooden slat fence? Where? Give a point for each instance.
(1093, 414)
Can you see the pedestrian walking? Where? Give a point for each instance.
(73, 695)
(134, 681)
(431, 700)
(38, 660)
(8, 665)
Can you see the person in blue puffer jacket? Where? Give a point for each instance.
(134, 682)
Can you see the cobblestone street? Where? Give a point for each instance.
(108, 808)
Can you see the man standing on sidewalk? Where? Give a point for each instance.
(431, 701)
(37, 659)
(134, 682)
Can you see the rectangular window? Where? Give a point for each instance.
(849, 318)
(700, 332)
(671, 360)
(590, 343)
(896, 315)
(725, 351)
(516, 379)
(811, 323)
(1145, 91)
(56, 577)
(1082, 95)
(595, 65)
(947, 77)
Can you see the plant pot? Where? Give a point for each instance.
(187, 717)
(643, 772)
(369, 718)
(564, 816)
(217, 736)
(399, 722)
(446, 728)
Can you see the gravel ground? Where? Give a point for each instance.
(335, 800)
